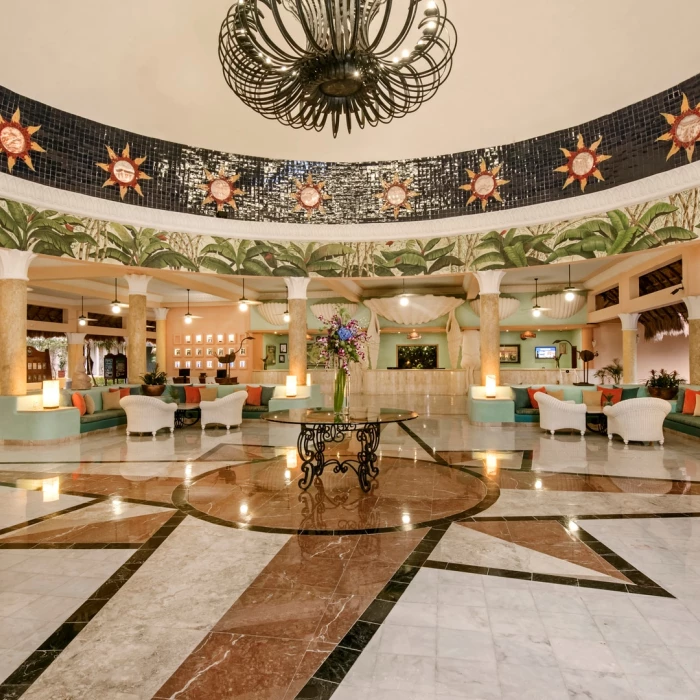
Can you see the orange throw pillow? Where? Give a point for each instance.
(79, 402)
(689, 401)
(608, 394)
(122, 392)
(254, 395)
(192, 395)
(531, 392)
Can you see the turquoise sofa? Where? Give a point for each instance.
(677, 420)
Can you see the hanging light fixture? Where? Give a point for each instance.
(286, 316)
(243, 303)
(536, 308)
(329, 58)
(116, 307)
(188, 315)
(404, 297)
(82, 319)
(569, 291)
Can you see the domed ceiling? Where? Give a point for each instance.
(521, 70)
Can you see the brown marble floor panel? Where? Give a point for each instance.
(551, 538)
(93, 524)
(239, 453)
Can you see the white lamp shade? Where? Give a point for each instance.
(490, 386)
(51, 393)
(291, 386)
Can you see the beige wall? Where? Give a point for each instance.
(214, 320)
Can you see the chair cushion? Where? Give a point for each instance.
(79, 403)
(267, 393)
(254, 396)
(696, 412)
(103, 415)
(558, 394)
(110, 400)
(629, 393)
(528, 411)
(208, 393)
(66, 398)
(192, 394)
(531, 393)
(680, 398)
(689, 401)
(592, 399)
(522, 398)
(89, 404)
(684, 419)
(610, 395)
(122, 392)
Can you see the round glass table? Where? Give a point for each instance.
(321, 427)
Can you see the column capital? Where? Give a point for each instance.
(629, 321)
(296, 287)
(14, 264)
(693, 305)
(138, 284)
(76, 338)
(161, 313)
(490, 281)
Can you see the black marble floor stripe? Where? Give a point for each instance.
(27, 673)
(48, 516)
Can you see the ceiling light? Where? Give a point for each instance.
(82, 321)
(403, 300)
(243, 303)
(286, 316)
(116, 308)
(536, 308)
(569, 291)
(188, 315)
(316, 63)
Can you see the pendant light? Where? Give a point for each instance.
(116, 308)
(82, 320)
(569, 291)
(243, 303)
(286, 317)
(188, 315)
(404, 297)
(536, 309)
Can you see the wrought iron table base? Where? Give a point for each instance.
(182, 420)
(311, 446)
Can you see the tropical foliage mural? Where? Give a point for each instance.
(675, 219)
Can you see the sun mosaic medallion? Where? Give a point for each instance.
(124, 171)
(221, 189)
(582, 163)
(684, 131)
(484, 184)
(310, 196)
(396, 195)
(16, 141)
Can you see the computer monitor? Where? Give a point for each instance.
(184, 372)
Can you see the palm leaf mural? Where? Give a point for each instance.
(510, 249)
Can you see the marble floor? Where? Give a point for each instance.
(484, 563)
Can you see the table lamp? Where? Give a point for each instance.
(490, 386)
(291, 386)
(51, 393)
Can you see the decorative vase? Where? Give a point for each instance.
(667, 393)
(152, 389)
(341, 389)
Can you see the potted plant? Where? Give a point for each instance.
(153, 382)
(663, 384)
(613, 370)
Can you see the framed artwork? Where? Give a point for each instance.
(198, 339)
(188, 352)
(219, 365)
(241, 364)
(243, 352)
(283, 348)
(219, 351)
(177, 352)
(283, 359)
(270, 355)
(188, 364)
(198, 365)
(199, 352)
(231, 337)
(210, 339)
(188, 339)
(230, 350)
(177, 364)
(210, 351)
(177, 339)
(220, 338)
(510, 354)
(210, 364)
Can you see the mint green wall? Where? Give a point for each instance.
(527, 348)
(277, 340)
(389, 341)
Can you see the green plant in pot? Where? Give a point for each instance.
(153, 382)
(613, 371)
(663, 384)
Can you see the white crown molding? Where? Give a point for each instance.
(629, 321)
(646, 189)
(14, 264)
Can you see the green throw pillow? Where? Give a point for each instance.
(522, 398)
(267, 393)
(629, 393)
(680, 399)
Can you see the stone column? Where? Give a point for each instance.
(136, 326)
(296, 291)
(693, 304)
(161, 339)
(490, 323)
(14, 273)
(76, 352)
(629, 347)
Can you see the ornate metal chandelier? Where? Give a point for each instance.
(305, 62)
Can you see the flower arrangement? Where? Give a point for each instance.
(342, 343)
(663, 384)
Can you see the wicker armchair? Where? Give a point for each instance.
(638, 419)
(557, 415)
(145, 414)
(228, 410)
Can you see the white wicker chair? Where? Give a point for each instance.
(228, 410)
(146, 414)
(557, 415)
(638, 419)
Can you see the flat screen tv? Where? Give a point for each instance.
(417, 356)
(546, 352)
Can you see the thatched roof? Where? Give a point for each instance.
(668, 320)
(670, 275)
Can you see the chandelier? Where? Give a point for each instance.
(305, 62)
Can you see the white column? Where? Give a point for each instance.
(490, 323)
(629, 347)
(136, 326)
(296, 292)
